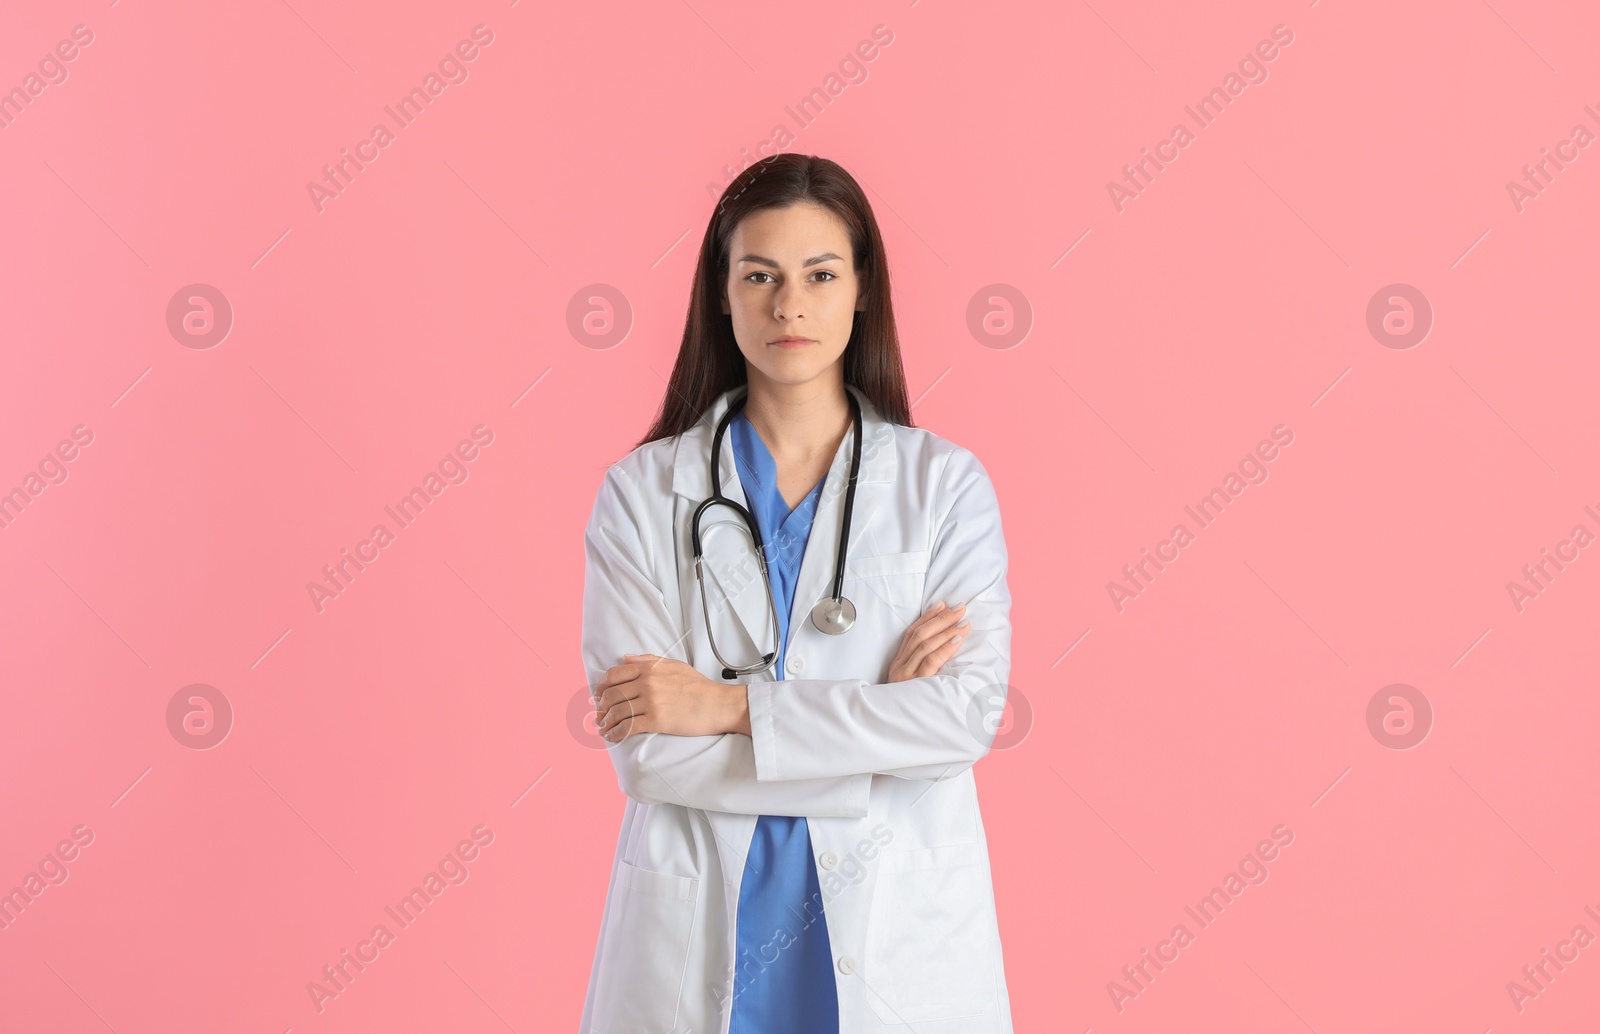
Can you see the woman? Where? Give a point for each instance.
(802, 849)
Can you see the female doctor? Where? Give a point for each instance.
(795, 726)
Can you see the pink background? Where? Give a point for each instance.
(1164, 342)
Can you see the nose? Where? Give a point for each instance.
(789, 301)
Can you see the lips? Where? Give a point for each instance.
(793, 342)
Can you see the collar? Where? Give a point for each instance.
(691, 472)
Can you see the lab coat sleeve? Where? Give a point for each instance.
(934, 727)
(625, 611)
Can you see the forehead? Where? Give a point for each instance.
(794, 233)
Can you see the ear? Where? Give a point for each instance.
(723, 291)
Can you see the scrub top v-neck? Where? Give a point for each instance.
(783, 969)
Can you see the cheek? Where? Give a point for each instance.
(843, 315)
(742, 319)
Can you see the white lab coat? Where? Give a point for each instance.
(882, 771)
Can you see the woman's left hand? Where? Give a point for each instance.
(648, 693)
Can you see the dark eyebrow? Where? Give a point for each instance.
(813, 260)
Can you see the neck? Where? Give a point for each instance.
(799, 422)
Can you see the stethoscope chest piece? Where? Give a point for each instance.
(833, 616)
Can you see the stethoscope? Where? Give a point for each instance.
(833, 614)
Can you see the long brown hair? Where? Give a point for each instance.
(709, 361)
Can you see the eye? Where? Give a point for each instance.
(830, 274)
(760, 273)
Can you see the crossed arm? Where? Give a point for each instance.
(812, 747)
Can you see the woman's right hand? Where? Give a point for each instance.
(929, 643)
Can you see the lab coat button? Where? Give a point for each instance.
(796, 665)
(847, 964)
(828, 859)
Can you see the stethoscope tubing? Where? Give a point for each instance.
(836, 593)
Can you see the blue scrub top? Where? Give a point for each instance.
(783, 966)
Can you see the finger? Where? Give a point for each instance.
(918, 661)
(948, 641)
(612, 731)
(649, 660)
(940, 657)
(935, 642)
(628, 725)
(932, 615)
(934, 625)
(623, 673)
(929, 616)
(616, 714)
(639, 661)
(614, 695)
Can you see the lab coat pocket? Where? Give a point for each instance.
(646, 952)
(929, 954)
(893, 578)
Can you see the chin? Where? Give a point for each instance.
(796, 372)
(801, 365)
